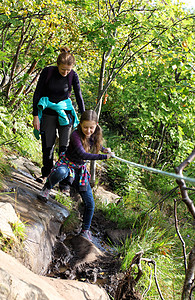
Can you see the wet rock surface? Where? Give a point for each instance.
(68, 255)
(95, 262)
(18, 282)
(42, 221)
(79, 259)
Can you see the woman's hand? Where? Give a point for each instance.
(36, 123)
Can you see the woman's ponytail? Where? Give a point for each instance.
(65, 57)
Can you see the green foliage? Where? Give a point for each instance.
(4, 167)
(150, 99)
(64, 200)
(124, 216)
(8, 244)
(73, 221)
(151, 223)
(32, 37)
(149, 72)
(19, 230)
(122, 178)
(6, 123)
(159, 122)
(153, 241)
(17, 134)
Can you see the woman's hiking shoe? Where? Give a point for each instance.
(86, 234)
(66, 191)
(41, 179)
(44, 194)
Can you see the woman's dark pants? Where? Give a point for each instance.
(49, 127)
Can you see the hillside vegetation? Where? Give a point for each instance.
(135, 61)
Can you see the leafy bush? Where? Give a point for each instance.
(17, 134)
(6, 126)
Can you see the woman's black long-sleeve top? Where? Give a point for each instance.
(53, 85)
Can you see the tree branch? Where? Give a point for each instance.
(126, 286)
(190, 277)
(190, 272)
(179, 170)
(179, 235)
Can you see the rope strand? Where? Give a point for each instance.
(154, 170)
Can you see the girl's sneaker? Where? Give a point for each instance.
(44, 194)
(86, 234)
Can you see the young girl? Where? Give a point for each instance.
(71, 165)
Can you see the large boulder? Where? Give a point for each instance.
(19, 283)
(105, 197)
(42, 220)
(8, 218)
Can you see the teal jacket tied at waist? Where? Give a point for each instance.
(60, 108)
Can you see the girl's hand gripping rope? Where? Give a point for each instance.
(109, 152)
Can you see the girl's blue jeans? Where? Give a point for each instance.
(60, 173)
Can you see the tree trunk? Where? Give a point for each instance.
(10, 83)
(190, 272)
(98, 107)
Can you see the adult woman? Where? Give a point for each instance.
(53, 89)
(71, 165)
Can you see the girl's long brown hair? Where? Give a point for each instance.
(90, 115)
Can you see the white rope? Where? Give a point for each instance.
(155, 170)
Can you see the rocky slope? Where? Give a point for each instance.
(22, 276)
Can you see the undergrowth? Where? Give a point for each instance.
(146, 207)
(4, 167)
(154, 233)
(72, 221)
